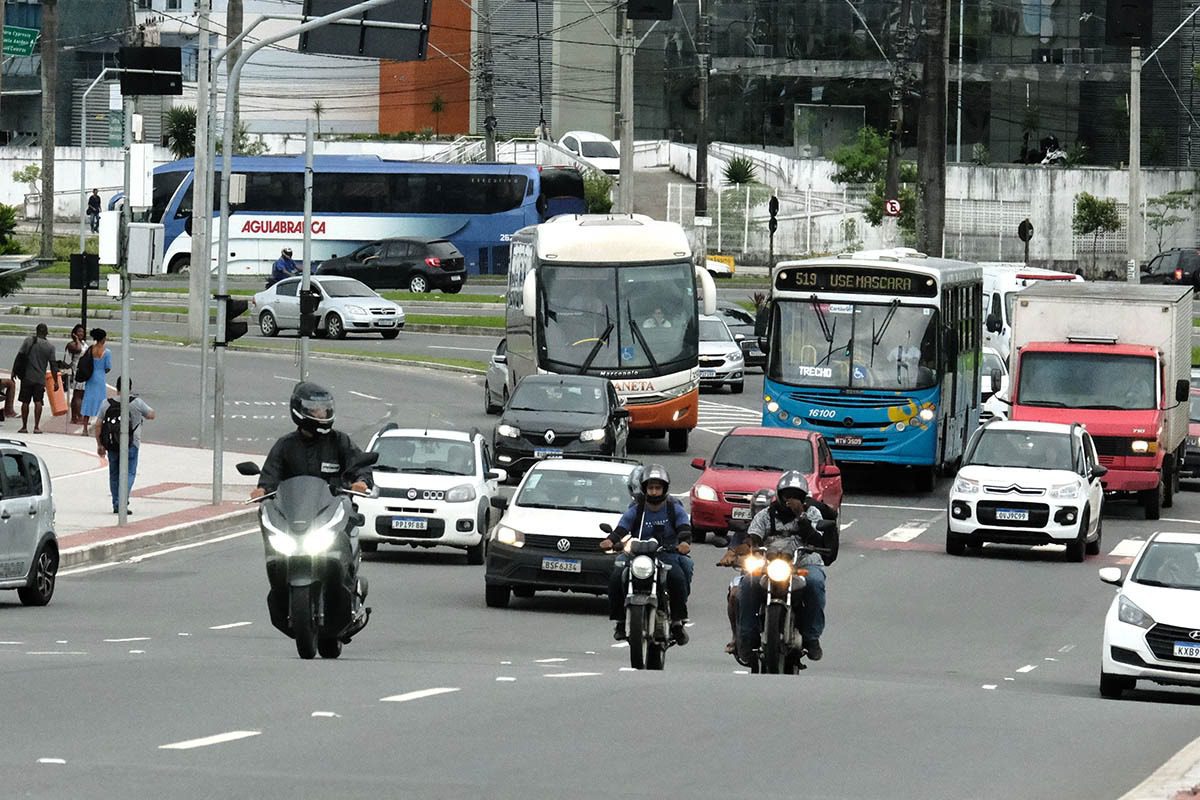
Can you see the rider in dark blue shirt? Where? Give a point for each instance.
(284, 266)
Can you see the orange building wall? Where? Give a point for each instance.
(407, 88)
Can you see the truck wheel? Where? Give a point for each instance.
(1152, 502)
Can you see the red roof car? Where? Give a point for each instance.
(752, 458)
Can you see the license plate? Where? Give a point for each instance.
(455, 278)
(847, 441)
(560, 565)
(1187, 649)
(410, 524)
(385, 323)
(708, 373)
(547, 453)
(741, 513)
(1011, 515)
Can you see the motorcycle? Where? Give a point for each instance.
(648, 610)
(312, 560)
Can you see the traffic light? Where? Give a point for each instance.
(1128, 22)
(773, 208)
(308, 311)
(234, 328)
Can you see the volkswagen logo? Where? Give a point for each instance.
(565, 544)
(1194, 636)
(549, 437)
(412, 494)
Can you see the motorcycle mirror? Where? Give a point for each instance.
(604, 526)
(248, 468)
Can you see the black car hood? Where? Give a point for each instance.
(335, 263)
(565, 421)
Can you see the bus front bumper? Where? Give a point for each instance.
(672, 414)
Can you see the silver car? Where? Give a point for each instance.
(28, 544)
(495, 383)
(346, 306)
(721, 359)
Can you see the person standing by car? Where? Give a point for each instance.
(96, 389)
(108, 441)
(38, 357)
(656, 515)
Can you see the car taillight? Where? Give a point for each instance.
(1178, 274)
(433, 261)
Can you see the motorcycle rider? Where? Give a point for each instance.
(790, 516)
(284, 267)
(662, 517)
(761, 499)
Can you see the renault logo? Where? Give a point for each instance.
(1194, 636)
(549, 437)
(565, 544)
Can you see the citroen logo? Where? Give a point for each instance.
(565, 544)
(412, 494)
(1194, 636)
(549, 437)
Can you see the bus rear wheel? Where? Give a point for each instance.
(677, 440)
(180, 265)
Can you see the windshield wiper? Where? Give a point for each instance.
(543, 505)
(1103, 407)
(430, 471)
(602, 341)
(769, 467)
(385, 468)
(1045, 403)
(637, 333)
(821, 319)
(877, 335)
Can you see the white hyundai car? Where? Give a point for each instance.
(435, 488)
(1152, 630)
(721, 360)
(1028, 483)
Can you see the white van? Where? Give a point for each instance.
(1001, 283)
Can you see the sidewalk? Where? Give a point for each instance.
(171, 500)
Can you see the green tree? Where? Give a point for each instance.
(437, 106)
(740, 170)
(9, 244)
(181, 131)
(1161, 211)
(243, 145)
(1094, 216)
(864, 161)
(597, 192)
(318, 108)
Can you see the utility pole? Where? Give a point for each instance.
(702, 129)
(2, 8)
(49, 52)
(628, 47)
(1135, 234)
(931, 131)
(202, 166)
(233, 29)
(488, 88)
(891, 189)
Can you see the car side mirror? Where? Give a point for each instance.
(1099, 471)
(699, 463)
(500, 358)
(1183, 391)
(993, 323)
(831, 471)
(762, 344)
(497, 475)
(997, 380)
(739, 337)
(621, 413)
(499, 502)
(1111, 575)
(248, 468)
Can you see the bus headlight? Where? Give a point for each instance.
(926, 414)
(594, 435)
(508, 431)
(772, 406)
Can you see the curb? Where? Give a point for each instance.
(122, 547)
(1172, 779)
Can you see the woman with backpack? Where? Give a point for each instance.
(70, 365)
(94, 365)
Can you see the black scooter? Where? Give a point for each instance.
(313, 562)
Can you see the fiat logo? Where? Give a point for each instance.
(1194, 636)
(549, 437)
(565, 544)
(412, 494)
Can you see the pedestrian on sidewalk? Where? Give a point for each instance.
(39, 356)
(70, 365)
(93, 210)
(108, 440)
(96, 389)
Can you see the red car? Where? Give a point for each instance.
(752, 458)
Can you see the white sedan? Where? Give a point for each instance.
(344, 306)
(1152, 630)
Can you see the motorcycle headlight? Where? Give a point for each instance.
(704, 492)
(1128, 612)
(779, 570)
(642, 567)
(508, 431)
(594, 435)
(510, 536)
(320, 540)
(753, 564)
(966, 486)
(282, 543)
(1065, 491)
(461, 494)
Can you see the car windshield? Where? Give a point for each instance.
(425, 455)
(713, 330)
(991, 361)
(854, 345)
(775, 453)
(346, 288)
(1087, 380)
(558, 396)
(1175, 565)
(576, 490)
(598, 150)
(1194, 415)
(1016, 448)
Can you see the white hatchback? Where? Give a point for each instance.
(1029, 483)
(434, 488)
(1152, 630)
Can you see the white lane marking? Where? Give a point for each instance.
(180, 364)
(129, 639)
(156, 554)
(1184, 521)
(845, 526)
(589, 652)
(56, 652)
(1127, 548)
(895, 508)
(469, 349)
(207, 741)
(741, 672)
(620, 644)
(572, 674)
(506, 663)
(367, 396)
(136, 652)
(1010, 679)
(627, 669)
(1066, 648)
(1027, 668)
(287, 378)
(417, 695)
(505, 679)
(229, 625)
(988, 686)
(61, 641)
(1047, 658)
(51, 761)
(12, 643)
(183, 634)
(549, 660)
(328, 714)
(904, 533)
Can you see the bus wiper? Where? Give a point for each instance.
(822, 321)
(601, 341)
(550, 315)
(877, 335)
(637, 333)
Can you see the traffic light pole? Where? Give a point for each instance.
(306, 253)
(126, 337)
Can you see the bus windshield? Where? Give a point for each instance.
(854, 345)
(603, 317)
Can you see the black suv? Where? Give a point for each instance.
(417, 265)
(1174, 267)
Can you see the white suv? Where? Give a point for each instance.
(28, 545)
(435, 488)
(1028, 483)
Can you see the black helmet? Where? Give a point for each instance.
(312, 407)
(656, 472)
(761, 499)
(792, 483)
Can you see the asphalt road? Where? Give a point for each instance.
(944, 677)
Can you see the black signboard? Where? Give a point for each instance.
(855, 280)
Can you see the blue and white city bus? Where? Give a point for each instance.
(358, 199)
(880, 352)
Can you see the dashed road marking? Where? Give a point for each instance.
(1127, 548)
(1027, 668)
(208, 741)
(417, 695)
(904, 533)
(572, 674)
(51, 761)
(128, 639)
(229, 625)
(721, 418)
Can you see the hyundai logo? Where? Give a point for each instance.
(412, 494)
(565, 544)
(549, 437)
(1194, 636)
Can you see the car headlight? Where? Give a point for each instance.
(461, 494)
(510, 536)
(736, 355)
(594, 435)
(355, 310)
(320, 540)
(508, 431)
(1128, 612)
(283, 544)
(704, 492)
(1142, 447)
(642, 567)
(926, 414)
(779, 570)
(1065, 491)
(966, 486)
(753, 564)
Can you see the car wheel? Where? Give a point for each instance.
(389, 334)
(737, 388)
(1077, 547)
(267, 324)
(369, 547)
(1111, 686)
(180, 265)
(956, 543)
(1093, 548)
(475, 554)
(496, 595)
(418, 283)
(677, 440)
(488, 406)
(335, 327)
(42, 577)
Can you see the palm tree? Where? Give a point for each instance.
(181, 131)
(437, 106)
(317, 110)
